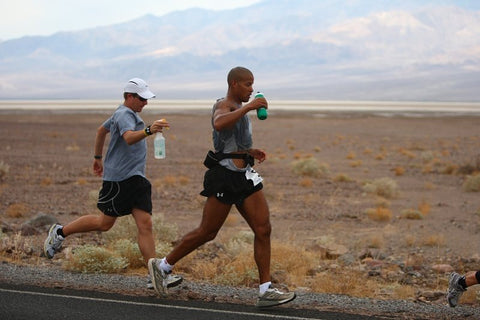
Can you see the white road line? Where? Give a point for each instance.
(159, 305)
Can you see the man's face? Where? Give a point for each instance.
(244, 88)
(137, 103)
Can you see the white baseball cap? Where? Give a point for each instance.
(140, 87)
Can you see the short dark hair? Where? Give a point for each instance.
(238, 73)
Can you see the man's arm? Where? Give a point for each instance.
(226, 114)
(98, 150)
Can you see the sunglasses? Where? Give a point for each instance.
(139, 98)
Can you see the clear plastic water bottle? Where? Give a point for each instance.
(159, 146)
(261, 112)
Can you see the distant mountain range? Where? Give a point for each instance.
(328, 50)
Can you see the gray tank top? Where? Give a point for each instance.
(237, 138)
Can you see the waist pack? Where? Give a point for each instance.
(213, 158)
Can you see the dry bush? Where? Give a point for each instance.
(355, 164)
(342, 177)
(434, 240)
(384, 187)
(399, 171)
(351, 155)
(310, 167)
(349, 282)
(410, 240)
(16, 247)
(72, 147)
(16, 210)
(380, 214)
(472, 183)
(424, 207)
(305, 182)
(125, 228)
(407, 153)
(92, 259)
(4, 169)
(233, 263)
(47, 181)
(411, 214)
(81, 181)
(130, 251)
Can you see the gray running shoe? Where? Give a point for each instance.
(173, 281)
(455, 290)
(53, 243)
(159, 277)
(274, 297)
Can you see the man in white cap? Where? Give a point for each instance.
(125, 188)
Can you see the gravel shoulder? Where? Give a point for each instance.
(50, 275)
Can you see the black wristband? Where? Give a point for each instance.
(147, 131)
(97, 157)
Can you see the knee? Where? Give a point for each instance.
(105, 225)
(263, 231)
(146, 226)
(204, 235)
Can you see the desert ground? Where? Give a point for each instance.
(47, 163)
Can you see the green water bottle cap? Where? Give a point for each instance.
(261, 112)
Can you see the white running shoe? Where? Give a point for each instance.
(173, 281)
(455, 290)
(274, 297)
(53, 243)
(159, 277)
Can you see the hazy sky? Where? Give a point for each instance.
(45, 17)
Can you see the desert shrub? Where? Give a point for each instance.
(342, 177)
(242, 241)
(130, 251)
(4, 169)
(434, 240)
(16, 210)
(310, 167)
(472, 183)
(384, 187)
(379, 214)
(92, 259)
(411, 214)
(125, 228)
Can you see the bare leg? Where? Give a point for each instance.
(88, 223)
(145, 233)
(470, 278)
(255, 211)
(214, 215)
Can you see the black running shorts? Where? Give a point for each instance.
(230, 187)
(118, 198)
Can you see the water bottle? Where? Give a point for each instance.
(261, 112)
(159, 146)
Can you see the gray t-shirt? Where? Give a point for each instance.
(123, 161)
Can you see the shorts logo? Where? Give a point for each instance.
(219, 195)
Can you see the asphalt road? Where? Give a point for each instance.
(29, 302)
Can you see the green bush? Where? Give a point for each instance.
(92, 259)
(384, 187)
(472, 183)
(130, 251)
(310, 167)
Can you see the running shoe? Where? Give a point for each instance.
(53, 243)
(173, 281)
(455, 290)
(274, 297)
(159, 277)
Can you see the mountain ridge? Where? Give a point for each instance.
(359, 50)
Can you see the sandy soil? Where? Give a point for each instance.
(50, 156)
